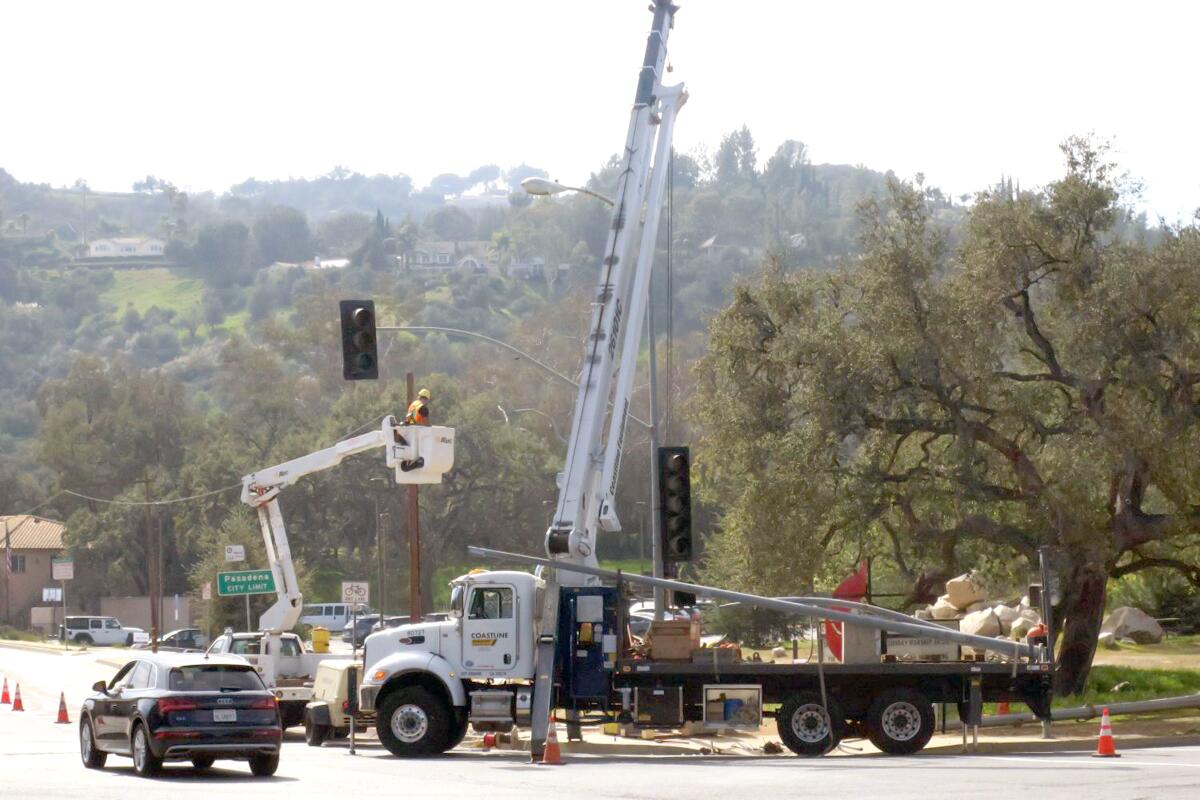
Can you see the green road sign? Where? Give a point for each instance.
(251, 581)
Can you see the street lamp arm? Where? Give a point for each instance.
(473, 335)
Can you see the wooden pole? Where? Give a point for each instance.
(414, 535)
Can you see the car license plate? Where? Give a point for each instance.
(224, 715)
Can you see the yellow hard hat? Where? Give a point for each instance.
(424, 394)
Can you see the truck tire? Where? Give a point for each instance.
(805, 727)
(900, 721)
(458, 729)
(414, 722)
(315, 733)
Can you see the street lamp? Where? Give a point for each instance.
(543, 187)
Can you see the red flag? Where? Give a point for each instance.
(853, 588)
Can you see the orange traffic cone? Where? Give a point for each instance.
(1002, 708)
(1105, 748)
(62, 710)
(4, 698)
(17, 704)
(552, 754)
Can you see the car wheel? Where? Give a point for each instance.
(93, 758)
(413, 722)
(315, 733)
(203, 762)
(808, 728)
(263, 765)
(900, 721)
(341, 733)
(145, 763)
(83, 639)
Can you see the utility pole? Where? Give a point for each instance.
(414, 534)
(151, 567)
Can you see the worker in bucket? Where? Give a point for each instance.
(418, 410)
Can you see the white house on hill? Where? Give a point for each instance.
(126, 247)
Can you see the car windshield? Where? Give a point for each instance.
(213, 678)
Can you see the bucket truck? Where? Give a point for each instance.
(417, 454)
(520, 645)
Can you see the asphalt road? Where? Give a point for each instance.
(39, 759)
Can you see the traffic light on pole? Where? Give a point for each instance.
(675, 504)
(360, 356)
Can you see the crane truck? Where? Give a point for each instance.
(520, 645)
(417, 454)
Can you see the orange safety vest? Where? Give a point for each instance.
(418, 413)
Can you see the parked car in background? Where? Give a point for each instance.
(184, 640)
(177, 707)
(389, 622)
(331, 616)
(355, 635)
(99, 630)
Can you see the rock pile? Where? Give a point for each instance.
(966, 600)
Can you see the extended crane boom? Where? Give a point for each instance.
(418, 454)
(589, 481)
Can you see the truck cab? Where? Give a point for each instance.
(427, 681)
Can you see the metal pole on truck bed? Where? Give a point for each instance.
(914, 628)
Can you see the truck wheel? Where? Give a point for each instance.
(413, 722)
(315, 733)
(458, 730)
(806, 728)
(900, 721)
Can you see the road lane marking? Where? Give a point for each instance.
(1080, 760)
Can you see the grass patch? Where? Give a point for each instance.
(13, 634)
(1134, 684)
(157, 286)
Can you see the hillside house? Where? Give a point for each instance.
(126, 247)
(31, 542)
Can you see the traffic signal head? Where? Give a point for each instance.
(360, 356)
(675, 503)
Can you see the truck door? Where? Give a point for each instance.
(490, 629)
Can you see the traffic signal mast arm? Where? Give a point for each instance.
(588, 484)
(418, 454)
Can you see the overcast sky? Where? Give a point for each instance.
(207, 94)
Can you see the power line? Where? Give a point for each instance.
(151, 502)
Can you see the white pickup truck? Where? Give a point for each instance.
(289, 673)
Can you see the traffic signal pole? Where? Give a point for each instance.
(656, 547)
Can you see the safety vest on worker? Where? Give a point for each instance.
(418, 413)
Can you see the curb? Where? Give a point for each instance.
(38, 647)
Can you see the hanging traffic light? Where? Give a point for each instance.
(360, 358)
(675, 504)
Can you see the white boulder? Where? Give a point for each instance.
(943, 609)
(1109, 641)
(964, 590)
(1132, 623)
(1020, 628)
(923, 613)
(778, 652)
(981, 623)
(1007, 617)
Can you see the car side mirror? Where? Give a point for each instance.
(100, 686)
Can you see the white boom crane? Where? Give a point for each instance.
(419, 454)
(588, 483)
